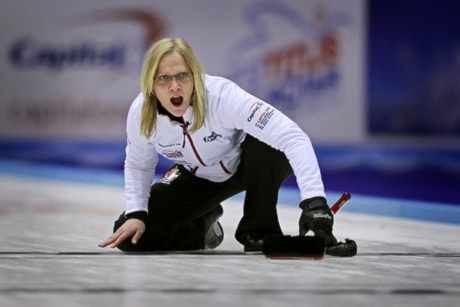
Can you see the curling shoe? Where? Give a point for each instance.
(214, 233)
(343, 249)
(252, 243)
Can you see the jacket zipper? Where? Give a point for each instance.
(184, 126)
(187, 135)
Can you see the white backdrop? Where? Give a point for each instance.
(70, 69)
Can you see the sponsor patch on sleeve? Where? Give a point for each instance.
(260, 114)
(265, 117)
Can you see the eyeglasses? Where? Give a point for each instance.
(180, 77)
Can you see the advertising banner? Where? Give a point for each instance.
(70, 69)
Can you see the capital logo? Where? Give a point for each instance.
(174, 154)
(34, 52)
(253, 110)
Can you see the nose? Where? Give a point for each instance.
(174, 86)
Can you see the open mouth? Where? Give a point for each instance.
(177, 101)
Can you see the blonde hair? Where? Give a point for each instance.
(149, 69)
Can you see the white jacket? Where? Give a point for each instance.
(213, 152)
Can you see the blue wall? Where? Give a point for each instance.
(413, 68)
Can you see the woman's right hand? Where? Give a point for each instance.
(132, 228)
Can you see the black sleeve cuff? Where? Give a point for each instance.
(140, 215)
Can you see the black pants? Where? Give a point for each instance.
(176, 209)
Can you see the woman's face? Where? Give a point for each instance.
(173, 84)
